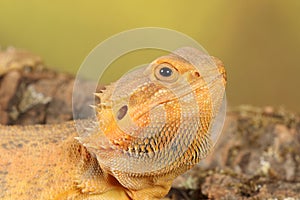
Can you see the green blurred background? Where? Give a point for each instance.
(258, 40)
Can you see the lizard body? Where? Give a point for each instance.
(45, 162)
(151, 126)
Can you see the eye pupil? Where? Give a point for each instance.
(165, 71)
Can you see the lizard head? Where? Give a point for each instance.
(160, 113)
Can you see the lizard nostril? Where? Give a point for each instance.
(122, 112)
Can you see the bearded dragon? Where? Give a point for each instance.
(152, 125)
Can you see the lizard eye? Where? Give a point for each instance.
(166, 72)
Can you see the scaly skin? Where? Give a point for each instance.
(148, 132)
(45, 162)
